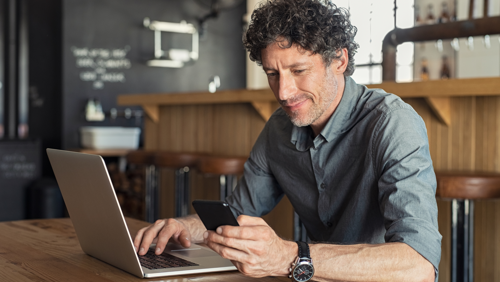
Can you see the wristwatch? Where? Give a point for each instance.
(302, 269)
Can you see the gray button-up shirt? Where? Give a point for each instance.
(366, 178)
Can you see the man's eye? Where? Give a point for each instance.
(298, 71)
(271, 74)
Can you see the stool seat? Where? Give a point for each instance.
(226, 167)
(176, 159)
(468, 185)
(140, 157)
(221, 165)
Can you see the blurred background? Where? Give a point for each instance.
(64, 63)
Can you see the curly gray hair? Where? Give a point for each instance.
(318, 26)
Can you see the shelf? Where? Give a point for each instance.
(437, 93)
(261, 100)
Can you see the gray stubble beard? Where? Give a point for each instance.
(317, 109)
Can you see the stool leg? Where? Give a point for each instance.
(462, 244)
(227, 184)
(151, 194)
(187, 193)
(299, 230)
(471, 240)
(181, 191)
(232, 181)
(223, 189)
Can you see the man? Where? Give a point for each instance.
(354, 163)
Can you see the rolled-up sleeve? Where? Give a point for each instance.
(257, 192)
(407, 183)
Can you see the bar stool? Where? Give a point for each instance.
(228, 169)
(463, 188)
(145, 158)
(182, 163)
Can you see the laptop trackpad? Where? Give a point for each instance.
(193, 252)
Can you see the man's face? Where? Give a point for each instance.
(302, 84)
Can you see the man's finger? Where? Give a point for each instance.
(253, 232)
(185, 238)
(245, 246)
(148, 236)
(163, 237)
(138, 238)
(245, 220)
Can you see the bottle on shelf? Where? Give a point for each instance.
(445, 14)
(424, 70)
(431, 19)
(445, 68)
(418, 18)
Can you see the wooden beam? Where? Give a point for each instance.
(264, 109)
(443, 88)
(153, 112)
(198, 98)
(441, 106)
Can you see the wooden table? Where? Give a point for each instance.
(48, 250)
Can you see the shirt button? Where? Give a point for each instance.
(323, 185)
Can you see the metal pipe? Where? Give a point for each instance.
(23, 67)
(458, 29)
(11, 69)
(3, 15)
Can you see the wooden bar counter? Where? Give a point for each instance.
(462, 117)
(48, 250)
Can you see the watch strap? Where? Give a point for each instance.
(303, 250)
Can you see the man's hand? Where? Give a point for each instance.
(253, 247)
(160, 233)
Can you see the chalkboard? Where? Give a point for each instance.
(19, 167)
(105, 48)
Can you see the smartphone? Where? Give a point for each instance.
(214, 214)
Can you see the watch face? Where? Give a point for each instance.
(303, 272)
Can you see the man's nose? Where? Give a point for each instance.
(287, 87)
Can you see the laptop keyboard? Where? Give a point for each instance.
(151, 261)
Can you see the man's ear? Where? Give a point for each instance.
(340, 65)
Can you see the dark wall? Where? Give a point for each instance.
(92, 28)
(45, 99)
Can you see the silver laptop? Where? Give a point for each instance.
(99, 223)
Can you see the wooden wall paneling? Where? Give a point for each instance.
(481, 135)
(150, 134)
(205, 124)
(496, 162)
(456, 131)
(189, 129)
(470, 135)
(486, 243)
(165, 128)
(491, 137)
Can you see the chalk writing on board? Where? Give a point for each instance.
(17, 165)
(100, 65)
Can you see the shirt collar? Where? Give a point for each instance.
(302, 136)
